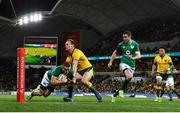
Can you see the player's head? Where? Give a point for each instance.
(126, 36)
(66, 68)
(70, 44)
(162, 51)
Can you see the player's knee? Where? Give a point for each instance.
(129, 79)
(128, 74)
(41, 92)
(47, 93)
(36, 92)
(158, 83)
(158, 80)
(167, 88)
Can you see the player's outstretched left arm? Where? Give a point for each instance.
(113, 56)
(171, 66)
(174, 71)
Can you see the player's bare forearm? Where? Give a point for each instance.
(113, 56)
(138, 56)
(75, 63)
(56, 81)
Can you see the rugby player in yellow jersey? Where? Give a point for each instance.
(161, 64)
(83, 69)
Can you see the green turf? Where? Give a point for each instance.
(83, 104)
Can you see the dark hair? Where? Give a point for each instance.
(66, 64)
(72, 42)
(127, 32)
(162, 47)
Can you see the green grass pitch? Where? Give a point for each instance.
(86, 104)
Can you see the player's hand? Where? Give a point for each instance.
(130, 57)
(70, 81)
(169, 72)
(74, 80)
(109, 65)
(64, 80)
(174, 71)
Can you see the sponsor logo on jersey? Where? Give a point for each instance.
(132, 47)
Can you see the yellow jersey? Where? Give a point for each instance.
(162, 63)
(83, 62)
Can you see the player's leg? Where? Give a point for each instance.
(134, 93)
(162, 90)
(158, 87)
(128, 75)
(70, 94)
(128, 72)
(169, 92)
(39, 91)
(155, 93)
(173, 90)
(49, 90)
(86, 81)
(164, 83)
(70, 89)
(168, 88)
(171, 84)
(36, 92)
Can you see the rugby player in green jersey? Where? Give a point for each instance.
(129, 50)
(170, 82)
(54, 77)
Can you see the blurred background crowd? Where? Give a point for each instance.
(152, 31)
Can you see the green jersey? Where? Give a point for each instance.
(128, 49)
(57, 71)
(171, 68)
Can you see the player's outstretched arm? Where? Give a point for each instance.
(175, 71)
(113, 56)
(55, 81)
(171, 66)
